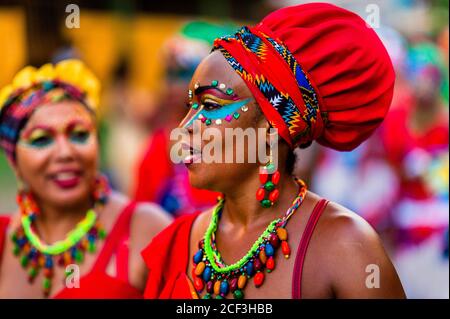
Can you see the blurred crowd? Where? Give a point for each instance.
(398, 180)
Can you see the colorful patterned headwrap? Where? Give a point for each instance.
(317, 71)
(31, 88)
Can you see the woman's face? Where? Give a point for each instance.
(220, 100)
(57, 153)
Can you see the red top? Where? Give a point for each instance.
(97, 284)
(167, 258)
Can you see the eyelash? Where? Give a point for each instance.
(41, 141)
(209, 106)
(78, 137)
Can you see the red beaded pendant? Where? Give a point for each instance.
(198, 284)
(258, 279)
(260, 194)
(270, 265)
(285, 249)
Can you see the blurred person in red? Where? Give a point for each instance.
(158, 179)
(415, 139)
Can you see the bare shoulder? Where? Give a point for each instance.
(351, 252)
(149, 219)
(339, 225)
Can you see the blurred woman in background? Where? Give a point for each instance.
(71, 236)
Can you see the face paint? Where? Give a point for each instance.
(78, 133)
(213, 105)
(43, 136)
(227, 112)
(219, 89)
(39, 137)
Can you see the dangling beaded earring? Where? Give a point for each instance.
(269, 177)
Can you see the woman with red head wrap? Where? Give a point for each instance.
(312, 72)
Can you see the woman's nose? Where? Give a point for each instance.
(194, 114)
(64, 149)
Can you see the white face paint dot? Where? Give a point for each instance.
(222, 86)
(244, 108)
(219, 121)
(196, 85)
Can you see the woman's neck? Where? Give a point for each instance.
(55, 222)
(241, 206)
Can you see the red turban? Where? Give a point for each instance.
(318, 72)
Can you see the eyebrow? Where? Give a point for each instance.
(27, 133)
(74, 123)
(69, 126)
(213, 89)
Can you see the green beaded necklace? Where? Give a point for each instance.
(219, 279)
(36, 255)
(61, 246)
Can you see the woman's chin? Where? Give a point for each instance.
(199, 179)
(69, 198)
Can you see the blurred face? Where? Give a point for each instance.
(175, 88)
(219, 99)
(57, 153)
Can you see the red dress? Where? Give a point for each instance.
(167, 258)
(97, 284)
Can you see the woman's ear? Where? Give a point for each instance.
(21, 185)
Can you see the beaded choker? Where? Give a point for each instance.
(36, 255)
(219, 279)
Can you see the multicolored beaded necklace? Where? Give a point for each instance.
(36, 255)
(220, 279)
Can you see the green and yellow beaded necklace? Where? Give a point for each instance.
(210, 273)
(36, 255)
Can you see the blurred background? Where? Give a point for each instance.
(144, 53)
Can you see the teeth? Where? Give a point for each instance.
(65, 176)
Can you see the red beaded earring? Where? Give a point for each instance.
(269, 177)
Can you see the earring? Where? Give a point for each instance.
(25, 201)
(269, 177)
(20, 185)
(102, 190)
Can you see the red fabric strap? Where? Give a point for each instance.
(4, 222)
(117, 235)
(303, 246)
